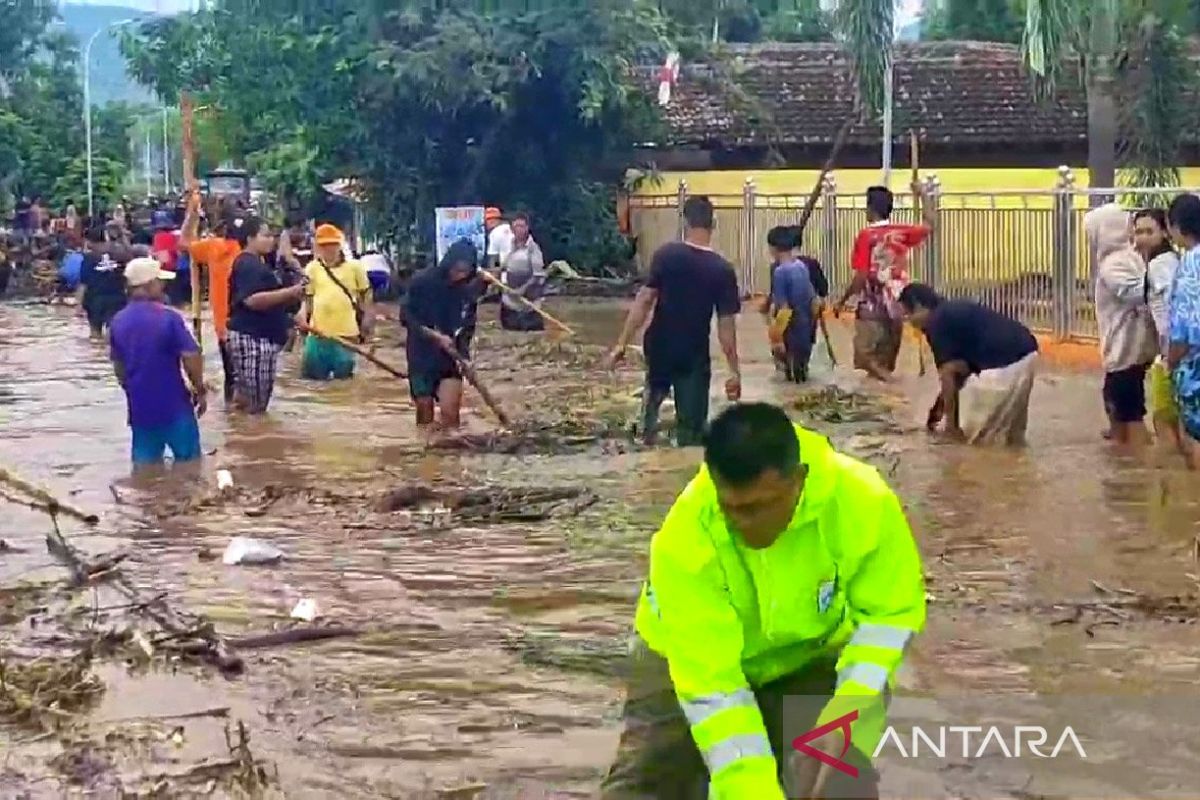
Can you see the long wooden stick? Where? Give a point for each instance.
(188, 146)
(523, 300)
(353, 348)
(825, 335)
(53, 503)
(468, 372)
(915, 157)
(826, 168)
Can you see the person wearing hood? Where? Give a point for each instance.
(440, 300)
(784, 589)
(1127, 340)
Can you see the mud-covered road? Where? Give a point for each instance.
(491, 633)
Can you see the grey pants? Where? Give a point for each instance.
(657, 758)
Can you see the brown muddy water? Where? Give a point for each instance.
(490, 646)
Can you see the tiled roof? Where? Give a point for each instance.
(958, 93)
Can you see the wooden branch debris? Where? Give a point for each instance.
(46, 501)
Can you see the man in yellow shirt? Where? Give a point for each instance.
(337, 305)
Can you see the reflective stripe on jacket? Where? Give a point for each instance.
(843, 580)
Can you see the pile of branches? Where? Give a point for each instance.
(834, 405)
(41, 692)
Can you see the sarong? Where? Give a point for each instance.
(993, 406)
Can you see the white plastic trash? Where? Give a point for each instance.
(306, 610)
(224, 480)
(243, 550)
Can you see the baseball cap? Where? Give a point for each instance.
(328, 234)
(141, 271)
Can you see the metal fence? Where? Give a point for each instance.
(1023, 253)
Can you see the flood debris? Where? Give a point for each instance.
(491, 503)
(245, 550)
(833, 404)
(45, 691)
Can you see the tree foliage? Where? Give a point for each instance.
(974, 20)
(425, 103)
(41, 102)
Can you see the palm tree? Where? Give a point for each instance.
(1134, 70)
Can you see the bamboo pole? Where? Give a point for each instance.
(914, 153)
(523, 300)
(468, 371)
(186, 109)
(826, 168)
(353, 348)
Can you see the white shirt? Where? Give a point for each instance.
(500, 241)
(375, 262)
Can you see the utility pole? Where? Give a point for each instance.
(166, 156)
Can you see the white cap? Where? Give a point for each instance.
(141, 271)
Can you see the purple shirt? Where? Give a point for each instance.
(149, 339)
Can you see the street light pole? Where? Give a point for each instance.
(87, 105)
(166, 157)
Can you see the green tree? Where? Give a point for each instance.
(976, 20)
(108, 182)
(1130, 48)
(428, 104)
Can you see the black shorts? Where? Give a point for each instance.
(424, 384)
(1125, 394)
(101, 310)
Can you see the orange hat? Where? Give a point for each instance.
(491, 213)
(328, 234)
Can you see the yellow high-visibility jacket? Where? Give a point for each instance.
(844, 580)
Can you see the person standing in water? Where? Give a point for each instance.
(1183, 356)
(437, 313)
(880, 264)
(337, 303)
(1127, 339)
(794, 305)
(150, 345)
(524, 270)
(1153, 242)
(688, 283)
(259, 322)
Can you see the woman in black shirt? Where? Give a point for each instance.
(259, 322)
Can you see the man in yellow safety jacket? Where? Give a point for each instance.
(785, 571)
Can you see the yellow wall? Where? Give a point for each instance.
(800, 181)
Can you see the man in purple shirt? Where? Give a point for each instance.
(150, 344)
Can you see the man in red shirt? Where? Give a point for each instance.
(880, 264)
(165, 249)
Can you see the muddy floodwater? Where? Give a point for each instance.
(487, 658)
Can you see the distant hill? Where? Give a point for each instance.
(109, 79)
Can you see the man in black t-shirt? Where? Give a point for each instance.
(688, 282)
(986, 361)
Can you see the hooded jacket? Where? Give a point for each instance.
(436, 303)
(1127, 337)
(843, 583)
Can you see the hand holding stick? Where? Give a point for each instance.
(353, 348)
(468, 371)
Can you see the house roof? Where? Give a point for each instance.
(969, 94)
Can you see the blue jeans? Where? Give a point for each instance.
(182, 437)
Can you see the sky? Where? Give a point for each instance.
(158, 6)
